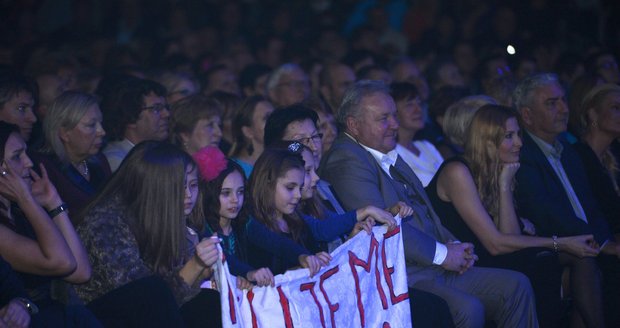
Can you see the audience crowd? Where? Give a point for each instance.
(136, 136)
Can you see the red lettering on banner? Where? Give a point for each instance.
(310, 286)
(231, 305)
(353, 261)
(332, 307)
(388, 271)
(250, 299)
(288, 321)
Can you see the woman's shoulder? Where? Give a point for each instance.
(107, 211)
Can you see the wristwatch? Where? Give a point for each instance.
(30, 306)
(61, 208)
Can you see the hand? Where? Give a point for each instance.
(401, 208)
(460, 257)
(15, 314)
(612, 248)
(506, 175)
(365, 225)
(581, 246)
(528, 227)
(206, 250)
(13, 186)
(262, 277)
(314, 262)
(43, 190)
(242, 283)
(378, 215)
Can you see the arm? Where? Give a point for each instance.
(48, 197)
(455, 184)
(279, 246)
(49, 254)
(332, 226)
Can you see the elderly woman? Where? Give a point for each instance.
(71, 155)
(458, 116)
(423, 158)
(196, 123)
(599, 124)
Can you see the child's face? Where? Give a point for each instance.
(310, 177)
(191, 189)
(288, 192)
(231, 195)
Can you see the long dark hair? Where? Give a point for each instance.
(212, 204)
(271, 165)
(150, 183)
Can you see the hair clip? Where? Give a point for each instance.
(295, 147)
(211, 162)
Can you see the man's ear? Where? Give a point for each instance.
(352, 126)
(527, 116)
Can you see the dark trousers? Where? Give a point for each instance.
(429, 310)
(146, 302)
(204, 310)
(544, 271)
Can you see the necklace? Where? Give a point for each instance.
(82, 167)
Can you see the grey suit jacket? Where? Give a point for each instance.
(358, 180)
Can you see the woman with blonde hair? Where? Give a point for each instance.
(599, 126)
(72, 152)
(473, 196)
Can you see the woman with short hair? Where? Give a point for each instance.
(72, 151)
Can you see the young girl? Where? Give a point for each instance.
(136, 235)
(225, 213)
(276, 187)
(312, 206)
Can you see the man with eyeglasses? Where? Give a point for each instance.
(134, 111)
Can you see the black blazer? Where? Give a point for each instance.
(541, 198)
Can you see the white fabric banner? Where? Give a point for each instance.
(365, 285)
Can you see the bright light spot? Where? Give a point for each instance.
(511, 50)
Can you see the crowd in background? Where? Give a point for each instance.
(235, 118)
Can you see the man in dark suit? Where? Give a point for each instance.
(553, 192)
(364, 169)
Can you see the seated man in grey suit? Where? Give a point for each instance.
(364, 169)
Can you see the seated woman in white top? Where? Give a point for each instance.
(423, 158)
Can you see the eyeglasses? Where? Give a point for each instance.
(157, 108)
(315, 139)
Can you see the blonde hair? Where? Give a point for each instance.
(484, 136)
(594, 100)
(65, 113)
